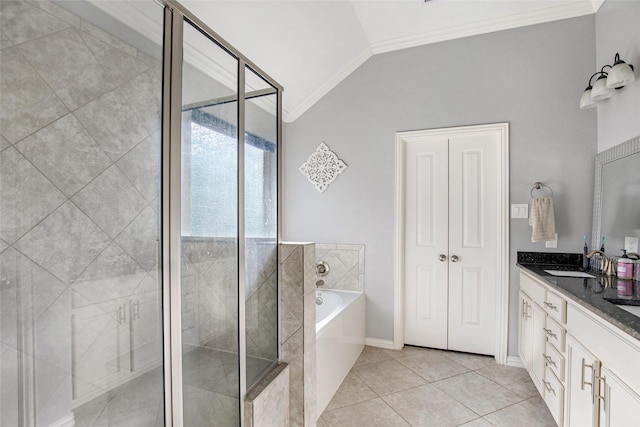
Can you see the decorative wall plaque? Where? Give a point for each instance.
(322, 167)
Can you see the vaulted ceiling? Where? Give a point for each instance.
(309, 46)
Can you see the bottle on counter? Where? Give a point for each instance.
(625, 266)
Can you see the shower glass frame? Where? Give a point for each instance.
(175, 17)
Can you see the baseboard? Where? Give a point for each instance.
(515, 361)
(377, 342)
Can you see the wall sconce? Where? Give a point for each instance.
(620, 75)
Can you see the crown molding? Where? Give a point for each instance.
(557, 13)
(320, 92)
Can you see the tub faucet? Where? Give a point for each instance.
(607, 265)
(319, 283)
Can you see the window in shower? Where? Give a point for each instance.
(214, 159)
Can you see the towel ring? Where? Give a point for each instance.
(538, 186)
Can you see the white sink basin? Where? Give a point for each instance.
(570, 273)
(633, 309)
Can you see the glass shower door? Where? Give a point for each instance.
(80, 287)
(209, 233)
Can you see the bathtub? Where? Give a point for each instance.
(340, 329)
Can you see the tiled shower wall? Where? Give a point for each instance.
(79, 125)
(346, 266)
(298, 329)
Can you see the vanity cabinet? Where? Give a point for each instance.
(542, 341)
(591, 369)
(532, 338)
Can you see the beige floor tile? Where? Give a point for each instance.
(471, 361)
(427, 406)
(432, 366)
(388, 377)
(372, 413)
(410, 350)
(516, 379)
(352, 390)
(530, 413)
(478, 422)
(478, 393)
(373, 355)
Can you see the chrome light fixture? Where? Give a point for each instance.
(619, 75)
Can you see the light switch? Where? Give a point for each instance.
(552, 243)
(631, 244)
(520, 210)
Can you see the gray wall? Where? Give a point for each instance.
(618, 31)
(530, 77)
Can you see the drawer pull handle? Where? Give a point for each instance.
(549, 360)
(550, 332)
(551, 306)
(547, 385)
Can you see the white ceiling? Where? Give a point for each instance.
(309, 46)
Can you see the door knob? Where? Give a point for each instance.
(454, 258)
(442, 257)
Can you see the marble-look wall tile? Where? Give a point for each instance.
(112, 124)
(27, 102)
(271, 405)
(292, 353)
(298, 330)
(141, 166)
(145, 97)
(27, 196)
(3, 141)
(57, 151)
(56, 11)
(54, 69)
(22, 22)
(346, 266)
(110, 201)
(141, 239)
(64, 243)
(65, 62)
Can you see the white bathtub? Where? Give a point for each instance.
(340, 329)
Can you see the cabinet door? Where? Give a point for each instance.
(524, 343)
(538, 342)
(621, 405)
(100, 347)
(146, 336)
(582, 369)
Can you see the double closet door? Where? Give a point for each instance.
(452, 238)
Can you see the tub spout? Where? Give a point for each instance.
(319, 283)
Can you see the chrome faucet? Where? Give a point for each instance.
(606, 266)
(319, 283)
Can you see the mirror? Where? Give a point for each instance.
(616, 200)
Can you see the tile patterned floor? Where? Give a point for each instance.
(425, 387)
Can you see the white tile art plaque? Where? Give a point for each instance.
(322, 167)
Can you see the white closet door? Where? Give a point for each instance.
(426, 239)
(451, 244)
(473, 241)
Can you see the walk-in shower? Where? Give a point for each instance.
(138, 217)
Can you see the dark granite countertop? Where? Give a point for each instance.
(599, 295)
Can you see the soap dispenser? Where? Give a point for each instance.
(625, 266)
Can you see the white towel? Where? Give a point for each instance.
(542, 220)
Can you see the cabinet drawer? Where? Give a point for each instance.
(555, 334)
(532, 288)
(556, 306)
(554, 396)
(554, 361)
